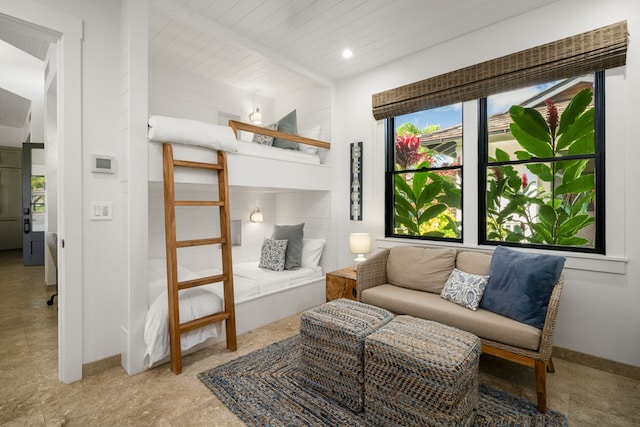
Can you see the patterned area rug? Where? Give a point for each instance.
(262, 389)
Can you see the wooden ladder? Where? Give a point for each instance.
(172, 246)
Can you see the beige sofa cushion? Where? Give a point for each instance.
(473, 262)
(482, 323)
(424, 269)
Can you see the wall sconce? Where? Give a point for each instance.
(256, 216)
(256, 117)
(360, 244)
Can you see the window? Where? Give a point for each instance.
(541, 166)
(540, 178)
(424, 174)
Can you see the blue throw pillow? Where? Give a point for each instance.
(520, 285)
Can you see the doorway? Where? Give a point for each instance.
(32, 18)
(33, 203)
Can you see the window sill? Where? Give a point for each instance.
(575, 261)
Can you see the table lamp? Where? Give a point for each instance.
(360, 244)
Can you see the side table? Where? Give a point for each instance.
(342, 284)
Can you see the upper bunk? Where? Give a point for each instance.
(250, 164)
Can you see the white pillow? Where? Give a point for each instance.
(311, 252)
(192, 132)
(313, 133)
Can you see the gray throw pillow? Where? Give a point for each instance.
(288, 124)
(293, 234)
(273, 253)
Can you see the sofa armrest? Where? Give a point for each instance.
(546, 339)
(372, 272)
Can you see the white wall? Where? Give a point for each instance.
(23, 75)
(51, 157)
(598, 311)
(178, 94)
(101, 107)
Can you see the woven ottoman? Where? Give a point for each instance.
(421, 373)
(332, 348)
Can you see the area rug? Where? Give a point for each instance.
(262, 389)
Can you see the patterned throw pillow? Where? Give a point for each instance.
(264, 139)
(464, 289)
(272, 255)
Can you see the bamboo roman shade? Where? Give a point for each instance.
(595, 50)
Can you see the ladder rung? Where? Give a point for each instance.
(199, 203)
(199, 165)
(203, 321)
(201, 281)
(200, 242)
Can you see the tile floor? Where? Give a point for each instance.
(31, 395)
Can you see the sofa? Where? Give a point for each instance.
(419, 281)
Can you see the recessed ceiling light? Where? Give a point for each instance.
(346, 54)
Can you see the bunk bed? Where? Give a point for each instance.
(258, 296)
(311, 171)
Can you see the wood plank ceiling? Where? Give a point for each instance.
(275, 46)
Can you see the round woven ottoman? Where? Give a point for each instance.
(421, 373)
(332, 348)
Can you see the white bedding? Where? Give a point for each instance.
(194, 303)
(249, 282)
(268, 152)
(191, 132)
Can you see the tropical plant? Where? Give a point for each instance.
(425, 200)
(554, 208)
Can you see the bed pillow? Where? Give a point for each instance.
(273, 254)
(293, 234)
(311, 252)
(465, 289)
(520, 285)
(288, 124)
(313, 133)
(265, 139)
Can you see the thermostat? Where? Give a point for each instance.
(102, 163)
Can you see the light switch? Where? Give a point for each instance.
(101, 211)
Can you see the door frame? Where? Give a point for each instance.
(65, 30)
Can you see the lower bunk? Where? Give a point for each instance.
(261, 297)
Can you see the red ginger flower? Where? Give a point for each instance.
(552, 118)
(407, 153)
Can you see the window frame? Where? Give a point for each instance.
(482, 149)
(390, 172)
(599, 175)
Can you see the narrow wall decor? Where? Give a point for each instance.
(355, 193)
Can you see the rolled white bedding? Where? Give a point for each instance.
(192, 132)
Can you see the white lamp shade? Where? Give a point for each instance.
(256, 216)
(256, 117)
(360, 243)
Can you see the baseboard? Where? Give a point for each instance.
(99, 366)
(606, 365)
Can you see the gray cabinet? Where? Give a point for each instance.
(10, 198)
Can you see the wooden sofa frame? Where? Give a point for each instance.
(372, 272)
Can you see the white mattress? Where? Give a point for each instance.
(268, 152)
(249, 282)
